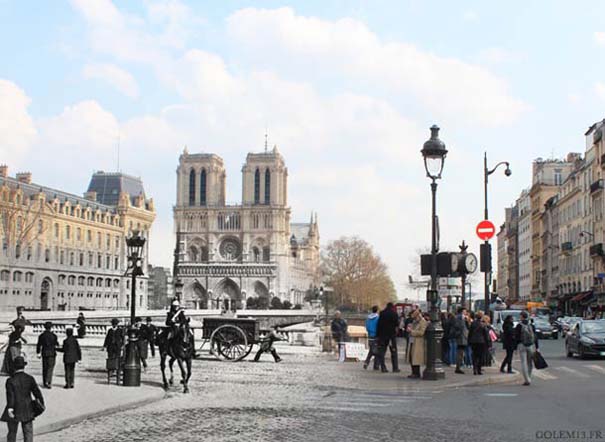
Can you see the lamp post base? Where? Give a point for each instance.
(434, 370)
(132, 365)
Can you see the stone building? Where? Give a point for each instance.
(64, 252)
(161, 287)
(228, 253)
(524, 246)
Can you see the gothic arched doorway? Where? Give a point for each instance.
(228, 295)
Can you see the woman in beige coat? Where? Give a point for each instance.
(417, 346)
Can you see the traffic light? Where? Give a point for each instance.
(486, 257)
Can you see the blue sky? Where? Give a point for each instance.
(347, 90)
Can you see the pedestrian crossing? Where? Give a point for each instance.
(365, 401)
(581, 371)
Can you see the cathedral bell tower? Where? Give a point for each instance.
(265, 179)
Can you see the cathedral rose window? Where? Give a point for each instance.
(230, 249)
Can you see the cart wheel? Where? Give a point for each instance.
(248, 350)
(229, 343)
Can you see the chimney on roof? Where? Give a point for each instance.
(91, 196)
(24, 177)
(4, 171)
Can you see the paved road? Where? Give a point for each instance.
(307, 398)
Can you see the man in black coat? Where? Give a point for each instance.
(388, 322)
(150, 331)
(47, 349)
(19, 390)
(71, 355)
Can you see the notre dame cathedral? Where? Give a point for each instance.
(227, 254)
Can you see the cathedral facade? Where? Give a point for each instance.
(228, 254)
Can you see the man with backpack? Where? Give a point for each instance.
(525, 336)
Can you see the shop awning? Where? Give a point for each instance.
(580, 296)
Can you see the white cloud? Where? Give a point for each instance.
(600, 89)
(500, 55)
(115, 76)
(599, 38)
(17, 129)
(446, 87)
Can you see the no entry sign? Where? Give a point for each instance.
(486, 230)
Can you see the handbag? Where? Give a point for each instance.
(492, 335)
(37, 407)
(539, 361)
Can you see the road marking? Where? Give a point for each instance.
(544, 375)
(572, 371)
(596, 368)
(501, 394)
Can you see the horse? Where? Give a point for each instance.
(177, 349)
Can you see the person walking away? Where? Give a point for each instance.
(417, 345)
(46, 348)
(478, 338)
(339, 329)
(460, 333)
(150, 330)
(81, 325)
(371, 329)
(525, 336)
(14, 348)
(266, 345)
(142, 342)
(20, 388)
(113, 343)
(452, 346)
(468, 352)
(508, 344)
(72, 354)
(388, 321)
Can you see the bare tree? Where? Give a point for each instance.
(356, 274)
(21, 224)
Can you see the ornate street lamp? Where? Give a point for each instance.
(434, 153)
(132, 365)
(486, 173)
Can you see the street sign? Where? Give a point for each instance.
(486, 230)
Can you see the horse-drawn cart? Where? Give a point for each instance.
(231, 339)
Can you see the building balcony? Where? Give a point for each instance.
(597, 186)
(596, 249)
(566, 247)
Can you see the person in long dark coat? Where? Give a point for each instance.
(19, 390)
(113, 344)
(339, 328)
(72, 354)
(478, 338)
(508, 343)
(142, 341)
(388, 323)
(150, 331)
(46, 348)
(81, 324)
(15, 342)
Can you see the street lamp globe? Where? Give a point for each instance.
(434, 153)
(135, 243)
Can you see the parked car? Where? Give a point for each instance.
(544, 329)
(587, 338)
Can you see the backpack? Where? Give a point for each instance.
(527, 335)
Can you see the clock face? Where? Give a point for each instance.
(470, 263)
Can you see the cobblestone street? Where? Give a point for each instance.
(308, 397)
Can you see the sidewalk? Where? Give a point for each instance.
(91, 397)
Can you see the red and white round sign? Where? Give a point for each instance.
(486, 230)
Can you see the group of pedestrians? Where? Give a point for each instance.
(382, 335)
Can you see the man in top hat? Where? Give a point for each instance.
(19, 390)
(71, 355)
(47, 349)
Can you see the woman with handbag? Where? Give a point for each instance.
(20, 407)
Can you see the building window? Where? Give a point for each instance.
(4, 275)
(71, 258)
(67, 232)
(40, 226)
(78, 234)
(99, 239)
(56, 231)
(71, 280)
(116, 263)
(47, 255)
(99, 261)
(17, 276)
(257, 186)
(81, 280)
(266, 254)
(29, 277)
(108, 241)
(62, 257)
(203, 187)
(89, 235)
(108, 262)
(267, 187)
(81, 259)
(192, 188)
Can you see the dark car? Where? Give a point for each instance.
(587, 338)
(545, 330)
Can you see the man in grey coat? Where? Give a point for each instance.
(460, 333)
